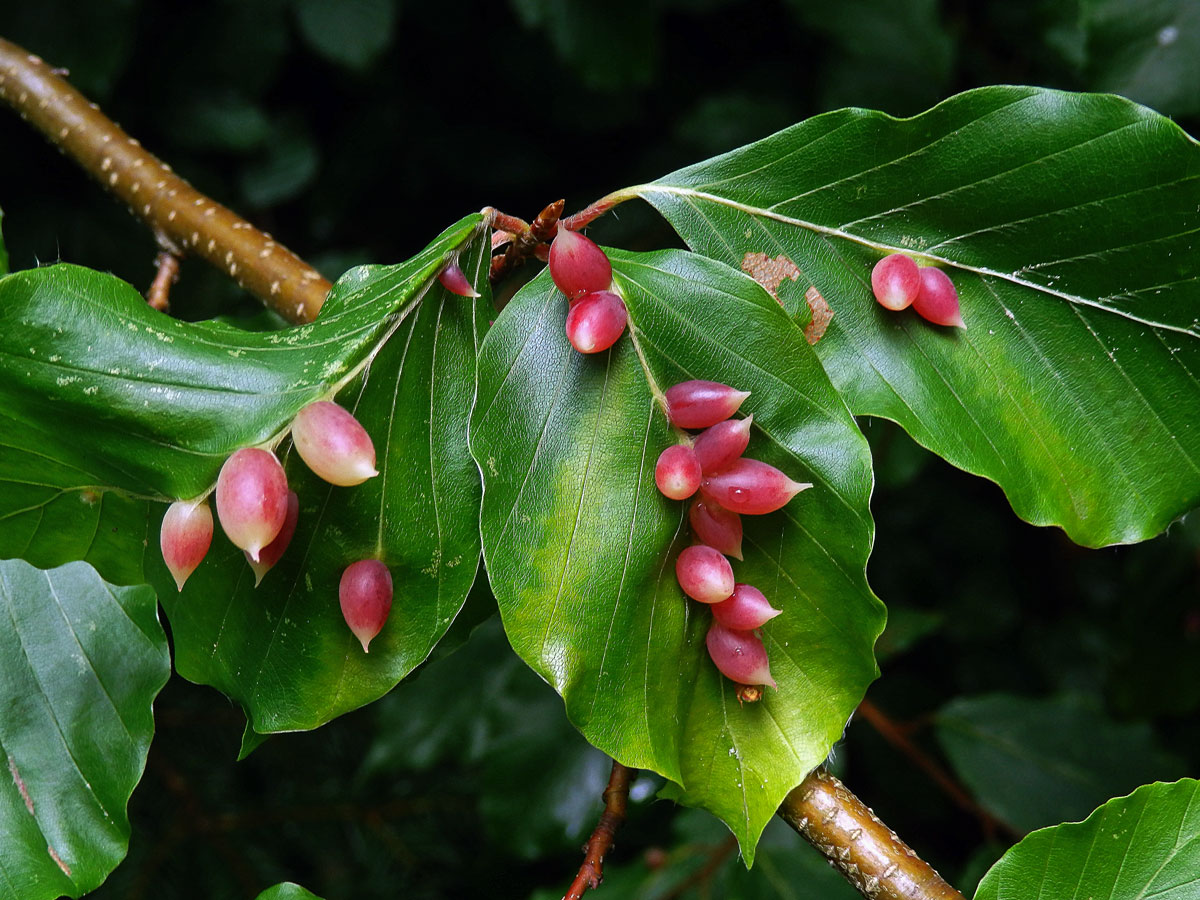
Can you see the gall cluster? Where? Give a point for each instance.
(898, 283)
(726, 486)
(710, 464)
(258, 512)
(582, 271)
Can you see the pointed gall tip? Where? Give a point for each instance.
(179, 582)
(795, 487)
(958, 322)
(453, 280)
(737, 553)
(365, 639)
(763, 676)
(253, 552)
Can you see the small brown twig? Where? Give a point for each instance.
(159, 295)
(523, 240)
(588, 214)
(171, 207)
(868, 854)
(616, 800)
(896, 735)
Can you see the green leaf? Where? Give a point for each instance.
(282, 650)
(53, 512)
(1143, 845)
(580, 546)
(287, 890)
(80, 665)
(351, 33)
(1065, 753)
(1146, 50)
(1067, 223)
(106, 403)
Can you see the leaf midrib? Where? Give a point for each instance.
(829, 231)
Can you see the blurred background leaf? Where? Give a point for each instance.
(511, 728)
(1034, 763)
(1146, 50)
(351, 33)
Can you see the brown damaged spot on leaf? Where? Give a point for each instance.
(58, 859)
(16, 776)
(822, 314)
(770, 273)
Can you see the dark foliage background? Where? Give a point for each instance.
(354, 131)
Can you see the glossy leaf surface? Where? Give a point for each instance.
(52, 512)
(282, 650)
(1064, 752)
(580, 546)
(80, 665)
(1068, 224)
(1140, 846)
(107, 403)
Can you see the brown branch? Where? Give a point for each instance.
(616, 799)
(895, 735)
(867, 853)
(175, 212)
